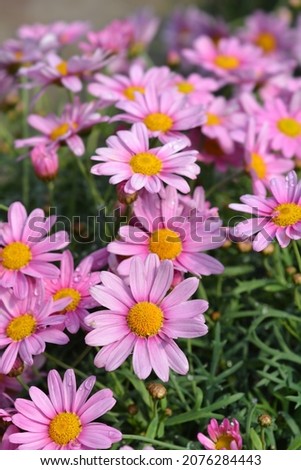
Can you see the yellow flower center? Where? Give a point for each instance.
(130, 91)
(266, 41)
(68, 292)
(223, 442)
(258, 165)
(185, 87)
(21, 327)
(64, 428)
(15, 256)
(62, 68)
(228, 62)
(287, 214)
(165, 243)
(212, 120)
(289, 127)
(145, 319)
(146, 164)
(158, 122)
(19, 56)
(59, 131)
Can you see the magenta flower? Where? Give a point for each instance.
(268, 31)
(63, 420)
(223, 120)
(128, 157)
(224, 436)
(229, 58)
(198, 89)
(114, 38)
(25, 249)
(70, 74)
(164, 114)
(24, 327)
(277, 216)
(76, 118)
(144, 320)
(45, 162)
(284, 120)
(123, 87)
(261, 164)
(74, 284)
(169, 234)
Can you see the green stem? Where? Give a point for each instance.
(179, 392)
(3, 207)
(165, 445)
(222, 183)
(91, 183)
(21, 382)
(297, 254)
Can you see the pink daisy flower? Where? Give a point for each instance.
(75, 284)
(198, 89)
(164, 114)
(15, 53)
(223, 120)
(143, 320)
(128, 157)
(55, 34)
(70, 73)
(25, 249)
(123, 87)
(276, 216)
(5, 443)
(269, 32)
(27, 325)
(76, 118)
(63, 420)
(284, 120)
(224, 436)
(163, 230)
(229, 58)
(261, 164)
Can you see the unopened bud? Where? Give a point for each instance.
(297, 278)
(227, 244)
(45, 162)
(215, 316)
(244, 247)
(17, 368)
(265, 420)
(291, 270)
(269, 250)
(133, 409)
(123, 196)
(168, 412)
(156, 390)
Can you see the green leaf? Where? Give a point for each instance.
(255, 439)
(152, 428)
(295, 444)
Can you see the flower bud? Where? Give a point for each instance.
(297, 278)
(133, 409)
(124, 197)
(269, 250)
(265, 420)
(17, 368)
(215, 316)
(45, 162)
(244, 247)
(291, 270)
(156, 390)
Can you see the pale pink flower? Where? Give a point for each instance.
(67, 73)
(45, 162)
(224, 436)
(276, 216)
(164, 114)
(113, 38)
(163, 230)
(198, 89)
(128, 157)
(27, 325)
(54, 34)
(14, 53)
(269, 32)
(63, 420)
(260, 163)
(144, 320)
(229, 58)
(65, 129)
(123, 87)
(73, 283)
(26, 251)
